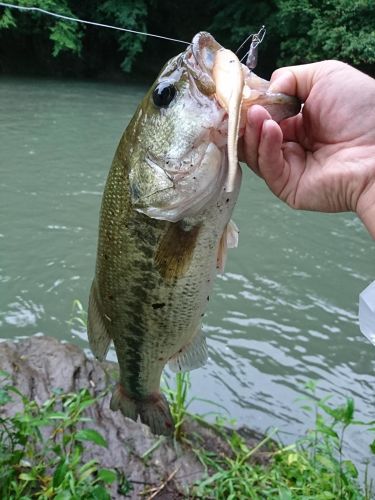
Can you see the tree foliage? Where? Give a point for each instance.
(131, 14)
(301, 31)
(311, 30)
(298, 31)
(64, 35)
(67, 36)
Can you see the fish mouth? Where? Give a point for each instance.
(200, 60)
(218, 71)
(204, 48)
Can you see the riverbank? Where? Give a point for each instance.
(59, 439)
(40, 366)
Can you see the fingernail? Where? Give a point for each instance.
(266, 126)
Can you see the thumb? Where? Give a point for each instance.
(295, 80)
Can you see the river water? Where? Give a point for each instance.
(284, 312)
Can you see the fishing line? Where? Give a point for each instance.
(92, 23)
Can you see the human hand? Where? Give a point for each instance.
(324, 158)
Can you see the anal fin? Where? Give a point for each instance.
(98, 335)
(229, 239)
(232, 233)
(193, 356)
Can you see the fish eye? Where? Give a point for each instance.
(163, 94)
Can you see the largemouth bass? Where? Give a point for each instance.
(165, 221)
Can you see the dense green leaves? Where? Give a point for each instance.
(131, 15)
(311, 30)
(7, 20)
(312, 467)
(69, 36)
(42, 449)
(298, 31)
(65, 35)
(301, 31)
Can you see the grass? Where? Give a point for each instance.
(178, 401)
(312, 468)
(41, 449)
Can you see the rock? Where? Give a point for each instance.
(40, 364)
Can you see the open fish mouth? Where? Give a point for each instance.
(218, 72)
(200, 59)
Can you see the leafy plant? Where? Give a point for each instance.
(41, 448)
(232, 477)
(64, 35)
(180, 402)
(302, 31)
(313, 30)
(67, 36)
(313, 467)
(298, 31)
(178, 399)
(132, 15)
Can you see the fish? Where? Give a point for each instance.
(165, 221)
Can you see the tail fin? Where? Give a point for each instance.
(153, 410)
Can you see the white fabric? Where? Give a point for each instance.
(367, 312)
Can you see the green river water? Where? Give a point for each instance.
(284, 312)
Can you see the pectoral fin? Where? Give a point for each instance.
(175, 251)
(229, 239)
(98, 335)
(193, 356)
